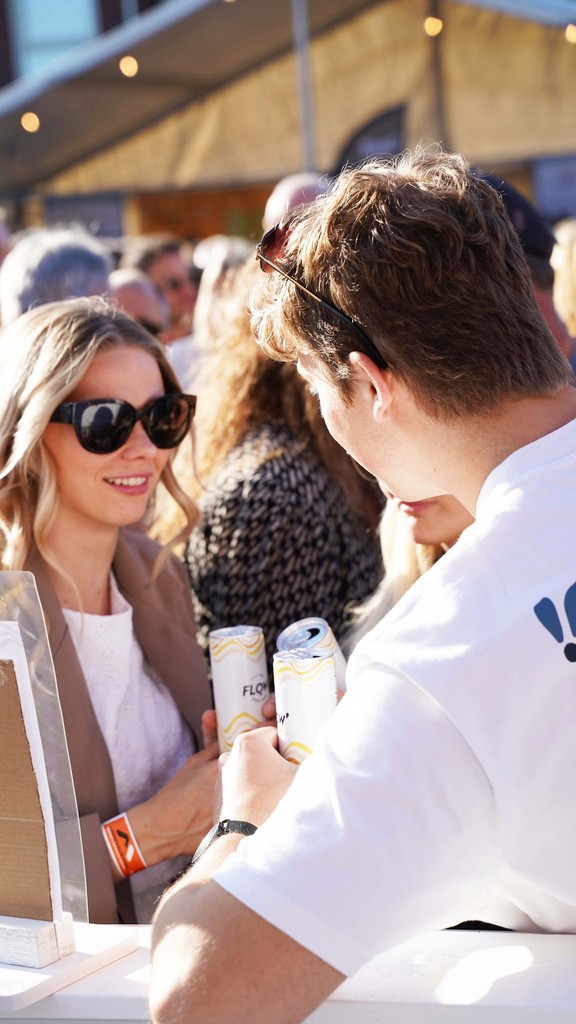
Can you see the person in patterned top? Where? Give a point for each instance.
(287, 525)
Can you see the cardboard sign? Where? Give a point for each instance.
(29, 879)
(39, 724)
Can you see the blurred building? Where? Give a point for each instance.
(34, 33)
(182, 114)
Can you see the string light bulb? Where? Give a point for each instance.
(571, 33)
(128, 66)
(433, 26)
(30, 121)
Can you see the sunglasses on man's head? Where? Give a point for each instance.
(103, 425)
(271, 249)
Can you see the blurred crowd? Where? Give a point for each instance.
(141, 542)
(264, 519)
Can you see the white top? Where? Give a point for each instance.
(146, 736)
(185, 355)
(444, 787)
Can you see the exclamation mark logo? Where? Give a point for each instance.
(546, 613)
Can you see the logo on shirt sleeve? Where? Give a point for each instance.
(547, 615)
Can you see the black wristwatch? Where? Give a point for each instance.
(223, 828)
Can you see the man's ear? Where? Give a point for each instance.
(378, 380)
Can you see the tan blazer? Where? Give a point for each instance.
(165, 628)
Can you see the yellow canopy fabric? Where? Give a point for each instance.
(506, 86)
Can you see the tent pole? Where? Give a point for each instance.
(300, 27)
(438, 80)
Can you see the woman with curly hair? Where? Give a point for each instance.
(91, 416)
(287, 524)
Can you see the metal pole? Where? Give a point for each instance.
(438, 80)
(306, 101)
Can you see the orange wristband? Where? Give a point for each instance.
(121, 843)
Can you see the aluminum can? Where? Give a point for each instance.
(306, 697)
(239, 679)
(314, 635)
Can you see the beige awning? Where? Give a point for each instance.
(227, 73)
(186, 50)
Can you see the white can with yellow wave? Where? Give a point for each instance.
(306, 697)
(239, 678)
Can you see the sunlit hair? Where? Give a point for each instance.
(43, 356)
(421, 253)
(405, 561)
(48, 264)
(564, 263)
(218, 254)
(241, 388)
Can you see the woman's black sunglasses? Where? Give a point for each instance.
(267, 253)
(103, 425)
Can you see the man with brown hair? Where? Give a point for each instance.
(442, 789)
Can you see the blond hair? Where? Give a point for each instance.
(405, 561)
(563, 261)
(43, 356)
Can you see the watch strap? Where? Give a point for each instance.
(223, 828)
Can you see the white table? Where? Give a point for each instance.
(453, 977)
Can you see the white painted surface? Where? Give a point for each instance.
(28, 943)
(451, 977)
(96, 947)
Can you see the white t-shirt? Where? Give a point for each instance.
(444, 787)
(146, 736)
(185, 355)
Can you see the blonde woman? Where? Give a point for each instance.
(287, 527)
(91, 416)
(413, 536)
(563, 260)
